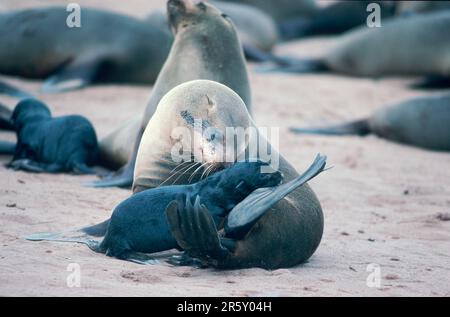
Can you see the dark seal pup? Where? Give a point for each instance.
(206, 46)
(108, 47)
(138, 225)
(423, 122)
(46, 144)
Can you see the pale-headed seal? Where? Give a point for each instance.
(46, 144)
(256, 29)
(298, 216)
(423, 122)
(37, 43)
(206, 46)
(415, 46)
(138, 225)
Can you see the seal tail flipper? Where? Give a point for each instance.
(248, 211)
(433, 82)
(12, 91)
(76, 74)
(195, 231)
(296, 66)
(7, 147)
(72, 236)
(114, 181)
(360, 127)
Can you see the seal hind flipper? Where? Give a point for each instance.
(195, 231)
(72, 236)
(76, 74)
(9, 90)
(359, 127)
(7, 147)
(115, 181)
(26, 165)
(251, 209)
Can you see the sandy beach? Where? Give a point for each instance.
(386, 205)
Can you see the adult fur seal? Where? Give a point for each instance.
(335, 18)
(423, 122)
(206, 46)
(37, 43)
(46, 144)
(417, 45)
(138, 225)
(256, 29)
(294, 224)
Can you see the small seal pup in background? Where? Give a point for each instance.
(422, 122)
(52, 145)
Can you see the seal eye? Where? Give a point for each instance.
(202, 6)
(224, 16)
(213, 137)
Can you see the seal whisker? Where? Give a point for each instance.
(185, 172)
(195, 172)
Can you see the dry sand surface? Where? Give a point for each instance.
(384, 203)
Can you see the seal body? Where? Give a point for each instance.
(46, 144)
(417, 45)
(289, 232)
(422, 122)
(37, 43)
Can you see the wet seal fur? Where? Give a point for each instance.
(422, 122)
(52, 145)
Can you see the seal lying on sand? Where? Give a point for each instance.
(255, 28)
(46, 144)
(206, 47)
(109, 47)
(414, 46)
(423, 122)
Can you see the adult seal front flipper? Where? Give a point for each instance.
(70, 236)
(246, 213)
(75, 75)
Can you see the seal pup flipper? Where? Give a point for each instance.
(245, 214)
(9, 90)
(72, 236)
(195, 231)
(77, 74)
(122, 178)
(359, 127)
(7, 147)
(35, 167)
